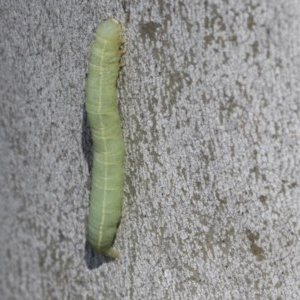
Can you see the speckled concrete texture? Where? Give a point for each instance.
(210, 105)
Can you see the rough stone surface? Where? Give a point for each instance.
(209, 100)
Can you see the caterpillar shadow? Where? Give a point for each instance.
(86, 140)
(94, 260)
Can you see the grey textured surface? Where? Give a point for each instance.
(209, 99)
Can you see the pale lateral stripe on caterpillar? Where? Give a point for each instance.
(108, 148)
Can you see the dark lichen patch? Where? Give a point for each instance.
(255, 171)
(149, 29)
(255, 249)
(263, 199)
(293, 185)
(255, 48)
(250, 22)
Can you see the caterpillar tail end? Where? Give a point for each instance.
(112, 253)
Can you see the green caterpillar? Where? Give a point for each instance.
(108, 147)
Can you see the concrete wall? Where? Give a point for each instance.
(209, 100)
